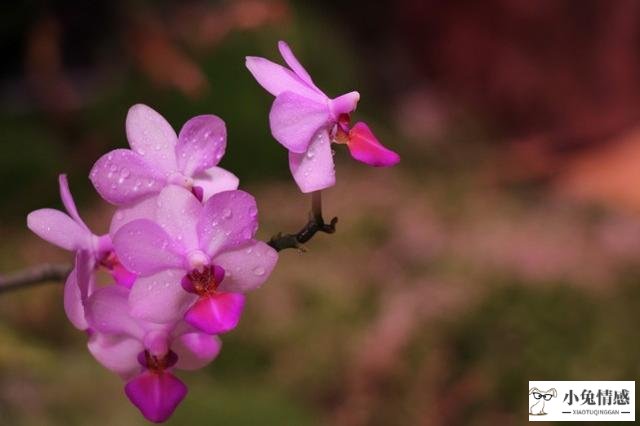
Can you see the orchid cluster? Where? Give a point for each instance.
(181, 251)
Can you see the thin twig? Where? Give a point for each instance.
(315, 224)
(34, 275)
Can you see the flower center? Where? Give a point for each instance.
(340, 133)
(157, 364)
(180, 180)
(111, 263)
(203, 281)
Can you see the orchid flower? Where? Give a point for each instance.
(145, 354)
(195, 260)
(305, 121)
(158, 157)
(68, 231)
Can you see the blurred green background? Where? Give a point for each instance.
(504, 248)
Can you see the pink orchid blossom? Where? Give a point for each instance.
(195, 260)
(159, 157)
(145, 354)
(69, 232)
(305, 121)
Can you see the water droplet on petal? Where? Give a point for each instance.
(258, 270)
(226, 214)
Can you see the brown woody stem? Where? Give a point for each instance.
(34, 275)
(315, 224)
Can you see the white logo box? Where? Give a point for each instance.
(576, 401)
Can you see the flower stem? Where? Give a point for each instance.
(38, 274)
(315, 224)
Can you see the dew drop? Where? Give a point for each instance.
(258, 270)
(226, 214)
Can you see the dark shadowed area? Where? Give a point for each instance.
(505, 247)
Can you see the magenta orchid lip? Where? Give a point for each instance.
(182, 248)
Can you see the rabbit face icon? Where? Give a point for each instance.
(539, 399)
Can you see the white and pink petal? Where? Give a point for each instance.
(152, 137)
(160, 298)
(229, 219)
(277, 79)
(59, 229)
(246, 268)
(314, 170)
(144, 248)
(117, 353)
(295, 119)
(123, 177)
(215, 180)
(177, 213)
(201, 144)
(195, 349)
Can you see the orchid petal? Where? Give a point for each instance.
(108, 312)
(295, 119)
(228, 219)
(365, 147)
(314, 170)
(143, 209)
(294, 64)
(160, 298)
(73, 304)
(156, 394)
(144, 248)
(151, 136)
(216, 313)
(214, 180)
(246, 268)
(67, 201)
(123, 177)
(201, 144)
(116, 353)
(77, 288)
(177, 213)
(59, 229)
(195, 350)
(276, 79)
(344, 104)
